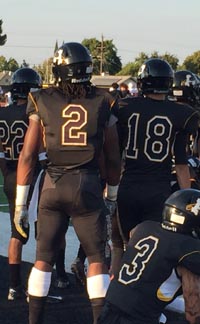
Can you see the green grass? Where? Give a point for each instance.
(3, 199)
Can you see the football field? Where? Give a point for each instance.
(75, 308)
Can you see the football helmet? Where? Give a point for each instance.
(181, 212)
(186, 88)
(72, 63)
(22, 81)
(155, 76)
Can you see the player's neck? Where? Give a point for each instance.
(157, 96)
(21, 101)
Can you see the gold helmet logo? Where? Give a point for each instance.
(189, 207)
(194, 208)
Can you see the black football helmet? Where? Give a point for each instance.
(72, 62)
(155, 76)
(22, 81)
(186, 88)
(181, 212)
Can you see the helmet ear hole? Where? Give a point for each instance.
(72, 63)
(155, 76)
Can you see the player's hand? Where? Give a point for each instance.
(111, 205)
(21, 220)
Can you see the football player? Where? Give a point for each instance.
(13, 127)
(186, 90)
(148, 126)
(74, 119)
(161, 262)
(194, 168)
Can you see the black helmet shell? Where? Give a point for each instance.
(72, 62)
(186, 88)
(181, 212)
(155, 76)
(22, 81)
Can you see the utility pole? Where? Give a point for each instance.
(101, 55)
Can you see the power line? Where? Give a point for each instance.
(27, 46)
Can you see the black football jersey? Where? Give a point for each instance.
(148, 129)
(147, 279)
(13, 127)
(73, 128)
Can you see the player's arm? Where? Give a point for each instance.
(25, 170)
(112, 161)
(3, 167)
(112, 155)
(181, 166)
(102, 170)
(191, 294)
(29, 153)
(183, 176)
(196, 145)
(42, 156)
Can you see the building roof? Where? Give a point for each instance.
(5, 78)
(107, 80)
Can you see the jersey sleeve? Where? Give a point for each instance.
(191, 261)
(192, 121)
(32, 108)
(180, 154)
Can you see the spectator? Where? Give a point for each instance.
(114, 90)
(124, 91)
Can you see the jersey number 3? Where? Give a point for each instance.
(132, 272)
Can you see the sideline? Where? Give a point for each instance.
(29, 249)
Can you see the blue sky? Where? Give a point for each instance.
(32, 27)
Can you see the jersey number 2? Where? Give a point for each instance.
(72, 130)
(12, 138)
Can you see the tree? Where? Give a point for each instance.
(12, 65)
(3, 64)
(192, 63)
(45, 70)
(171, 59)
(104, 55)
(3, 38)
(130, 68)
(133, 68)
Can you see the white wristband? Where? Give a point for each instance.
(42, 156)
(22, 195)
(112, 192)
(2, 155)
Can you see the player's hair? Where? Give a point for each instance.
(75, 90)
